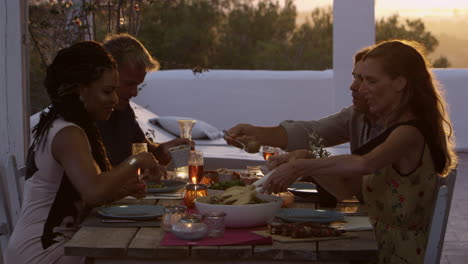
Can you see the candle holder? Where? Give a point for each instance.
(192, 192)
(172, 214)
(190, 227)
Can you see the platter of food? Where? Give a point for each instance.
(302, 232)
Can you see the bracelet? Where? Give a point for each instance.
(132, 161)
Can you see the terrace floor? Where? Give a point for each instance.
(456, 237)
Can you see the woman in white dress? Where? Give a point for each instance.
(68, 172)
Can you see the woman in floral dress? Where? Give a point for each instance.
(397, 172)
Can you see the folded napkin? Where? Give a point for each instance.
(231, 237)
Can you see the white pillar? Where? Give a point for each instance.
(353, 29)
(14, 101)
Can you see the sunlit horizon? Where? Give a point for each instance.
(410, 8)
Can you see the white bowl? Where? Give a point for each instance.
(243, 215)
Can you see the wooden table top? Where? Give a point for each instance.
(142, 245)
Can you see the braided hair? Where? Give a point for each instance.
(80, 64)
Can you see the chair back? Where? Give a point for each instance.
(11, 189)
(439, 219)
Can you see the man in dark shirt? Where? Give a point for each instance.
(122, 129)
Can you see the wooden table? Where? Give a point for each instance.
(142, 245)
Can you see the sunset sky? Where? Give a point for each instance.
(403, 7)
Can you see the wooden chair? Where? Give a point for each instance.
(11, 189)
(439, 219)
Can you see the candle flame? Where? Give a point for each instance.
(194, 179)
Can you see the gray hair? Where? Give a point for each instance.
(127, 49)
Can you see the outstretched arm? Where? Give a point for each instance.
(402, 149)
(255, 136)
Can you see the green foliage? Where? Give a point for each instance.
(312, 43)
(411, 29)
(259, 36)
(441, 62)
(181, 34)
(38, 95)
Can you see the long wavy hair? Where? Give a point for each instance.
(422, 96)
(80, 64)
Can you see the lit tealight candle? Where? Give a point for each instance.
(192, 192)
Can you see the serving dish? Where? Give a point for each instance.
(247, 215)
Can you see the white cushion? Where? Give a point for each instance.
(201, 129)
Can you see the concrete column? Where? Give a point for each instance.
(14, 95)
(353, 28)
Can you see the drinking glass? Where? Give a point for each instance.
(195, 166)
(138, 148)
(185, 127)
(269, 151)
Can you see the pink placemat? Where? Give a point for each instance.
(231, 237)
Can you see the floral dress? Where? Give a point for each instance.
(400, 209)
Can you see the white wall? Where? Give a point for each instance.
(454, 82)
(225, 98)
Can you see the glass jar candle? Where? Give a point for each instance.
(192, 192)
(190, 227)
(172, 214)
(215, 223)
